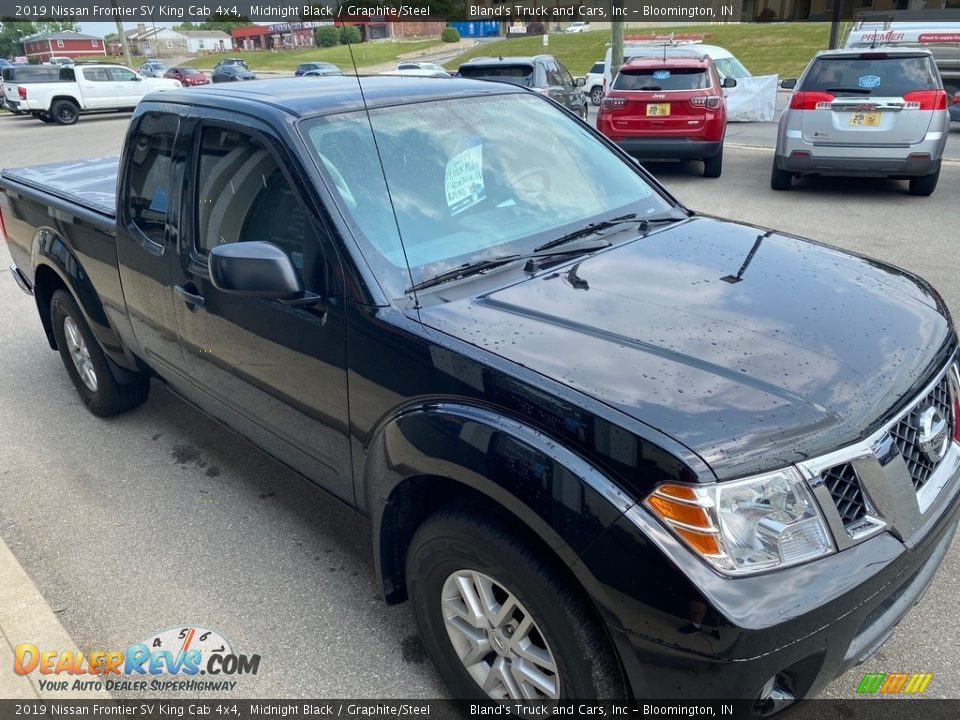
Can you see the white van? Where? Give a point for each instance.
(876, 30)
(723, 60)
(753, 99)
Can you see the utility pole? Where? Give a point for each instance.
(616, 41)
(836, 15)
(122, 34)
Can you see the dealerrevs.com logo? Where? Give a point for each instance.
(169, 660)
(894, 683)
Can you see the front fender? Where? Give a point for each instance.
(427, 456)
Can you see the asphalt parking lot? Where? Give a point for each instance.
(161, 518)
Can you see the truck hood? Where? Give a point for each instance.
(806, 350)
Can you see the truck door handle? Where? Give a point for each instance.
(193, 300)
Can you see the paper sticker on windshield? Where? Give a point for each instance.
(464, 179)
(868, 81)
(661, 74)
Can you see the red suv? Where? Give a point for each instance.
(668, 109)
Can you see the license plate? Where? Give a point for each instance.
(658, 109)
(865, 119)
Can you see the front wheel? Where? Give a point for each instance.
(87, 365)
(500, 620)
(65, 112)
(596, 95)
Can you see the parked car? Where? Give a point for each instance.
(231, 61)
(5, 63)
(541, 73)
(60, 61)
(85, 87)
(323, 73)
(317, 68)
(593, 82)
(668, 109)
(955, 107)
(421, 67)
(14, 75)
(873, 113)
(188, 76)
(153, 69)
(231, 73)
(597, 462)
(577, 27)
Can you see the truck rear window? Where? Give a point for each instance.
(871, 73)
(662, 79)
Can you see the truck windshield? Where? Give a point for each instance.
(469, 179)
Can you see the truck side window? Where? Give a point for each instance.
(123, 74)
(148, 176)
(244, 196)
(96, 75)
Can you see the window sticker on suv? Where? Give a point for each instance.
(661, 74)
(464, 179)
(869, 81)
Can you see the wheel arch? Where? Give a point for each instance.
(431, 456)
(57, 267)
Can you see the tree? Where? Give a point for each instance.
(186, 26)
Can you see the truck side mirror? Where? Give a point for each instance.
(580, 81)
(789, 84)
(254, 269)
(729, 82)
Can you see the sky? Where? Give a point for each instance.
(99, 29)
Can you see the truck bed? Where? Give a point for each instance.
(92, 184)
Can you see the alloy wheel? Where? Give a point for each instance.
(80, 353)
(497, 639)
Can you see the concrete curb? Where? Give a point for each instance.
(25, 617)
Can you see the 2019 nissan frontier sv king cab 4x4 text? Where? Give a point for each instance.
(598, 459)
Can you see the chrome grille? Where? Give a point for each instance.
(844, 487)
(906, 432)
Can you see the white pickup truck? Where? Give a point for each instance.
(84, 88)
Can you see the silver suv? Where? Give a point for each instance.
(880, 112)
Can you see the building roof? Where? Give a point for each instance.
(60, 36)
(215, 34)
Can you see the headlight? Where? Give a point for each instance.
(746, 526)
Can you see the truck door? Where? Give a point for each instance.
(128, 87)
(273, 371)
(146, 236)
(97, 88)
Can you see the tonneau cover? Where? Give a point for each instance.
(89, 183)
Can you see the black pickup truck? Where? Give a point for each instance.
(609, 447)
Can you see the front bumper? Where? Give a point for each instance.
(21, 279)
(684, 631)
(670, 148)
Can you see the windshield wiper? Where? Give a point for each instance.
(475, 268)
(642, 223)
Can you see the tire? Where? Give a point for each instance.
(65, 112)
(90, 373)
(780, 179)
(596, 95)
(924, 185)
(458, 550)
(585, 112)
(712, 167)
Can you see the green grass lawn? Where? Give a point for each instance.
(765, 48)
(366, 54)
